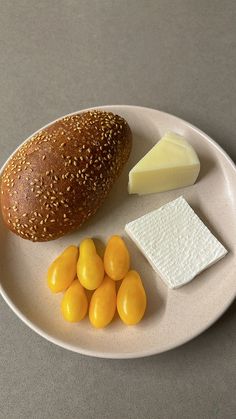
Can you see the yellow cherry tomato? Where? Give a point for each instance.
(62, 271)
(90, 268)
(103, 303)
(116, 258)
(74, 304)
(131, 299)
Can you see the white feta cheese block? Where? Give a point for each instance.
(176, 242)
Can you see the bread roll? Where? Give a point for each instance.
(60, 177)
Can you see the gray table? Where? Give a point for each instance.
(60, 56)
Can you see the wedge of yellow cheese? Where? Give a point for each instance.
(172, 163)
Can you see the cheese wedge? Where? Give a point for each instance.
(172, 163)
(176, 242)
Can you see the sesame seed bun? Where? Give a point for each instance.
(60, 177)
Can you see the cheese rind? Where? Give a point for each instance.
(172, 163)
(176, 242)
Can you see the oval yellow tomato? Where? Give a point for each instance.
(131, 299)
(102, 306)
(62, 271)
(90, 268)
(74, 304)
(116, 258)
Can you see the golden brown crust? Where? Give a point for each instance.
(61, 176)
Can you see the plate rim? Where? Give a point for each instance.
(118, 355)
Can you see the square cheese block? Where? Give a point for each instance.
(176, 242)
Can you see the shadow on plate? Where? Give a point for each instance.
(207, 165)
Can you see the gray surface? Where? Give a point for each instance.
(60, 56)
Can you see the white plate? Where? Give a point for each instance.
(173, 317)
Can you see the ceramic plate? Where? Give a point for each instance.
(173, 317)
